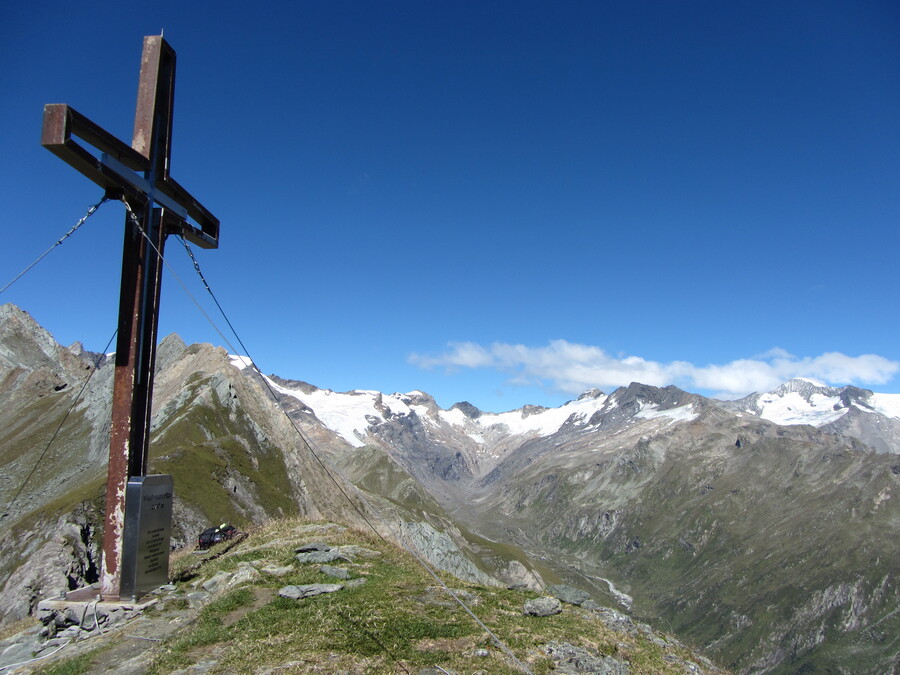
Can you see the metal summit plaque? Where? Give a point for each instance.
(148, 525)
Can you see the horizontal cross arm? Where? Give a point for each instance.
(207, 236)
(114, 170)
(61, 122)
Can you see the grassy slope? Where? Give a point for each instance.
(206, 445)
(398, 621)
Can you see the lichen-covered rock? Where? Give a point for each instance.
(573, 596)
(543, 607)
(312, 546)
(336, 572)
(320, 557)
(573, 660)
(308, 590)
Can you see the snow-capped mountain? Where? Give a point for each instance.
(706, 512)
(804, 401)
(872, 418)
(464, 443)
(361, 417)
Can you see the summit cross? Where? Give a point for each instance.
(157, 206)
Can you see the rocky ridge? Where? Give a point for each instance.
(237, 609)
(233, 456)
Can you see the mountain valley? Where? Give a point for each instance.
(763, 531)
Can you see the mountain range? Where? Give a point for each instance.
(762, 530)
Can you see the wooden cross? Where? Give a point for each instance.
(158, 206)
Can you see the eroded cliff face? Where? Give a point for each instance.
(56, 556)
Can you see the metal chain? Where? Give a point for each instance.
(131, 215)
(87, 215)
(190, 252)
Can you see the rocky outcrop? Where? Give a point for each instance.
(67, 559)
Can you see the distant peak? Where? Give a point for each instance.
(467, 409)
(10, 311)
(591, 393)
(670, 396)
(532, 410)
(299, 385)
(174, 341)
(416, 397)
(805, 387)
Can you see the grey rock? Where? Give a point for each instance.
(336, 572)
(355, 583)
(216, 583)
(443, 552)
(51, 644)
(319, 557)
(312, 546)
(245, 574)
(543, 607)
(276, 571)
(197, 599)
(579, 661)
(617, 621)
(202, 667)
(352, 550)
(70, 632)
(569, 594)
(20, 651)
(308, 590)
(515, 574)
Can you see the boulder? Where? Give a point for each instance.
(308, 590)
(543, 607)
(569, 594)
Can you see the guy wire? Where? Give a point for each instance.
(71, 231)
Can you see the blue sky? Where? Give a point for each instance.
(504, 203)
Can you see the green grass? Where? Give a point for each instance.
(399, 619)
(77, 665)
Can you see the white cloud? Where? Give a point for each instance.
(464, 354)
(572, 368)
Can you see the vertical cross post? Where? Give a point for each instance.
(138, 306)
(157, 206)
